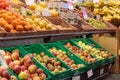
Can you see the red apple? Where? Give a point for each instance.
(11, 65)
(26, 57)
(27, 62)
(8, 53)
(23, 67)
(15, 56)
(42, 76)
(39, 71)
(17, 69)
(8, 59)
(16, 62)
(5, 74)
(32, 68)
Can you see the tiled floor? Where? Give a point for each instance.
(113, 77)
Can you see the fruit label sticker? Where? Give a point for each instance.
(37, 12)
(89, 73)
(101, 71)
(2, 60)
(76, 78)
(29, 2)
(45, 13)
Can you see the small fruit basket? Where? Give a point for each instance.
(62, 54)
(111, 56)
(24, 66)
(56, 68)
(62, 25)
(92, 50)
(78, 52)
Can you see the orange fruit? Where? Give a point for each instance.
(19, 28)
(8, 28)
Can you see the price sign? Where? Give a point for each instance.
(45, 13)
(23, 11)
(76, 78)
(80, 1)
(65, 5)
(90, 73)
(85, 15)
(29, 2)
(95, 1)
(2, 60)
(101, 71)
(71, 7)
(110, 66)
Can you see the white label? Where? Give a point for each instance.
(23, 11)
(80, 1)
(95, 1)
(110, 66)
(85, 15)
(37, 12)
(90, 73)
(71, 7)
(29, 2)
(65, 5)
(76, 78)
(45, 13)
(2, 60)
(101, 71)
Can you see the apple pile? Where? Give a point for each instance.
(12, 22)
(99, 53)
(79, 52)
(4, 4)
(23, 67)
(5, 75)
(40, 24)
(51, 64)
(62, 55)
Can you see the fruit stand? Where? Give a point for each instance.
(37, 42)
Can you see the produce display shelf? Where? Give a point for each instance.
(58, 34)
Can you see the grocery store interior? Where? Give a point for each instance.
(59, 39)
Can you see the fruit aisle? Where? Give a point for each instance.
(54, 40)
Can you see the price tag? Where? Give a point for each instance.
(110, 66)
(76, 78)
(95, 1)
(71, 7)
(37, 12)
(23, 11)
(90, 73)
(29, 2)
(85, 15)
(80, 1)
(45, 13)
(65, 5)
(2, 60)
(101, 71)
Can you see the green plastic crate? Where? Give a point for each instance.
(22, 54)
(77, 61)
(99, 62)
(93, 64)
(90, 41)
(37, 48)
